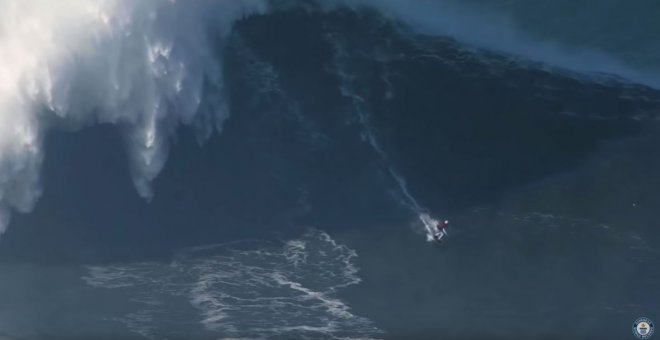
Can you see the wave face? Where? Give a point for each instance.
(246, 289)
(420, 102)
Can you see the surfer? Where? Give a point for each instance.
(441, 230)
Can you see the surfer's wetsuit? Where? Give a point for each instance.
(441, 226)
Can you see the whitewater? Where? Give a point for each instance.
(246, 289)
(139, 65)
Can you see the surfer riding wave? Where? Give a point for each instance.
(436, 230)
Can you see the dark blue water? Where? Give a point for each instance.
(548, 176)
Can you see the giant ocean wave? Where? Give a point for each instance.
(356, 117)
(151, 66)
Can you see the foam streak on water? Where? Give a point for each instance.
(250, 289)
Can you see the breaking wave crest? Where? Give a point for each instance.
(489, 30)
(143, 66)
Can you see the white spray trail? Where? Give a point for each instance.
(423, 214)
(139, 64)
(348, 90)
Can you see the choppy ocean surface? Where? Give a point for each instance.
(273, 169)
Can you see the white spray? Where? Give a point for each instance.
(137, 64)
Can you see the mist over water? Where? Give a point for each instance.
(291, 159)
